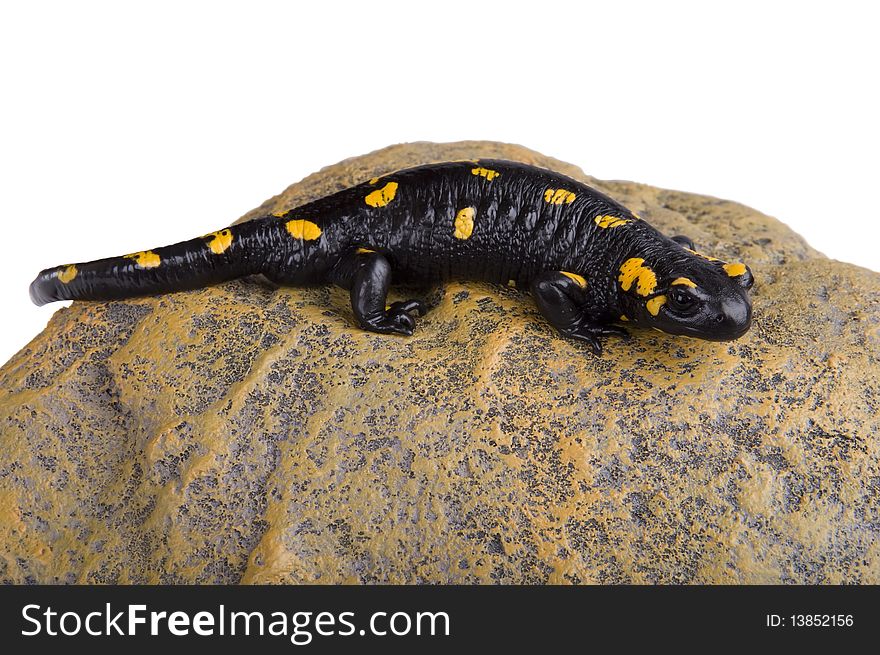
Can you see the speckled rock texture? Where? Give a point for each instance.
(246, 433)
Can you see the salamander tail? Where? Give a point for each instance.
(216, 257)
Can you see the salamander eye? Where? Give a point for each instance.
(681, 300)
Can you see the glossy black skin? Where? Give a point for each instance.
(517, 235)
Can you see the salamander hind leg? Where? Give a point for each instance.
(562, 298)
(367, 274)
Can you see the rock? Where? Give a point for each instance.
(246, 433)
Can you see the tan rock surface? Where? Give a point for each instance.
(245, 433)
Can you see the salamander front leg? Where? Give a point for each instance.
(367, 274)
(682, 240)
(561, 298)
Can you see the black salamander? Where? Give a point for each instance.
(589, 262)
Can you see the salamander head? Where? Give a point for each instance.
(683, 292)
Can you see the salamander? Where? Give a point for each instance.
(590, 263)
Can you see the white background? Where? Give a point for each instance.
(126, 127)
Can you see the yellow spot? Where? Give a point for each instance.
(635, 215)
(654, 304)
(699, 254)
(558, 196)
(306, 230)
(464, 222)
(364, 251)
(633, 271)
(374, 180)
(67, 274)
(623, 317)
(485, 172)
(734, 270)
(511, 283)
(381, 197)
(145, 259)
(685, 282)
(574, 276)
(220, 241)
(281, 213)
(610, 221)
